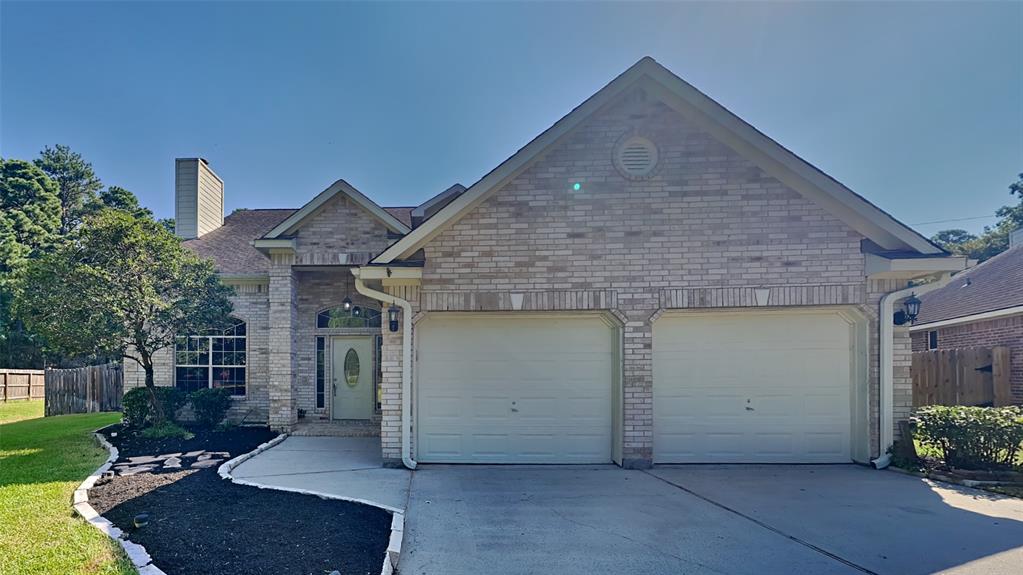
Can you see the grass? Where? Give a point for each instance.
(11, 411)
(42, 461)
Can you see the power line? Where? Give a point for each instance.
(954, 220)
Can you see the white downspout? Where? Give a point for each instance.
(406, 362)
(887, 399)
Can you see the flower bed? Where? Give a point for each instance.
(198, 523)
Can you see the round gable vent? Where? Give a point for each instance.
(635, 157)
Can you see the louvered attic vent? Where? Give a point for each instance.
(636, 157)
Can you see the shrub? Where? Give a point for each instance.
(210, 405)
(971, 437)
(166, 430)
(136, 411)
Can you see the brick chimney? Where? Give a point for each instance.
(198, 198)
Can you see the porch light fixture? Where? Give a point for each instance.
(356, 311)
(910, 310)
(346, 303)
(392, 317)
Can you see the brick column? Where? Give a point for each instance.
(283, 312)
(637, 384)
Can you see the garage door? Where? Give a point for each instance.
(752, 388)
(507, 389)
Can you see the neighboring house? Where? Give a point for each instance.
(981, 307)
(651, 280)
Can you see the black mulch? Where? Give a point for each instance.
(201, 524)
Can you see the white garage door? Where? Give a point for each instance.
(752, 388)
(507, 389)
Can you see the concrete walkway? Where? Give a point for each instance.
(346, 467)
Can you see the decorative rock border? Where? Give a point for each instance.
(397, 515)
(136, 553)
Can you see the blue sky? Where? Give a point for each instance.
(916, 106)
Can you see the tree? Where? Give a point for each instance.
(75, 179)
(951, 239)
(118, 198)
(122, 286)
(994, 239)
(29, 225)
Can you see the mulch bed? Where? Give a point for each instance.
(201, 524)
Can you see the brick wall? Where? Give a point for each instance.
(1007, 331)
(339, 227)
(706, 219)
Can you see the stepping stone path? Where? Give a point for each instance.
(171, 462)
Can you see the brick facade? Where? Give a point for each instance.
(707, 220)
(1007, 331)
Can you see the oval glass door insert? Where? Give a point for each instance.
(352, 368)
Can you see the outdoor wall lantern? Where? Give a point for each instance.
(392, 317)
(910, 309)
(347, 303)
(356, 311)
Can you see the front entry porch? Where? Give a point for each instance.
(336, 428)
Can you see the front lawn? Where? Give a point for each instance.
(11, 411)
(42, 461)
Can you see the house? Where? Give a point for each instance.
(981, 307)
(650, 280)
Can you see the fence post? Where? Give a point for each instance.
(1000, 359)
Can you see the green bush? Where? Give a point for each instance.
(166, 430)
(210, 405)
(971, 437)
(136, 411)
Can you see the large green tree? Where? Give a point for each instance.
(118, 198)
(76, 180)
(29, 225)
(122, 286)
(994, 239)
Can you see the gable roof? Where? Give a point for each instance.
(993, 285)
(230, 245)
(339, 187)
(773, 158)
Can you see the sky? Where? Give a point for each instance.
(916, 106)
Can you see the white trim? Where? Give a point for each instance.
(880, 267)
(780, 162)
(969, 318)
(340, 186)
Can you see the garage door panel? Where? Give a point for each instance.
(529, 389)
(769, 387)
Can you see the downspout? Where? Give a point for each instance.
(406, 362)
(887, 399)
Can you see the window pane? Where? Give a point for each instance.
(321, 376)
(189, 379)
(230, 378)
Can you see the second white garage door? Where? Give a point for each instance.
(752, 388)
(514, 389)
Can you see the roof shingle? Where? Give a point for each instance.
(993, 285)
(230, 247)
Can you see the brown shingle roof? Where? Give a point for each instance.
(402, 214)
(229, 245)
(993, 285)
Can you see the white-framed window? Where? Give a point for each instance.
(213, 360)
(932, 339)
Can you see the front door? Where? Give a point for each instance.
(352, 377)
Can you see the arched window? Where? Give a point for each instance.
(358, 316)
(212, 360)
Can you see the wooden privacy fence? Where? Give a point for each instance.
(18, 384)
(84, 389)
(969, 376)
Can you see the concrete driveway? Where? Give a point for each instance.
(702, 519)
